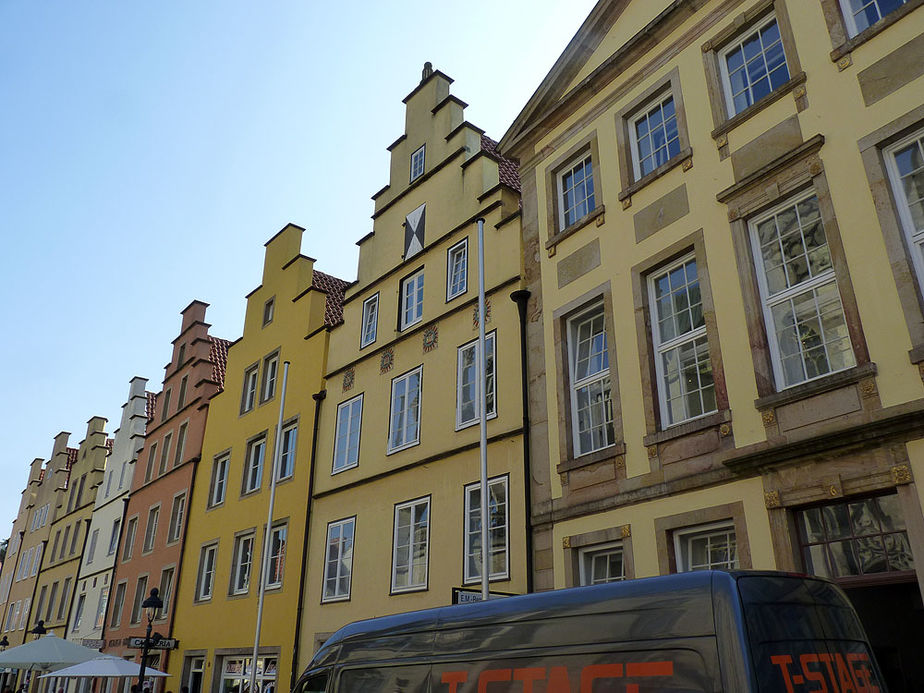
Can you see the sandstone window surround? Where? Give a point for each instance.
(269, 311)
(602, 555)
(847, 33)
(677, 535)
(574, 190)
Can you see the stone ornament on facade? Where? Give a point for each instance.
(687, 164)
(772, 499)
(652, 451)
(768, 417)
(387, 361)
(487, 313)
(431, 338)
(725, 430)
(844, 62)
(566, 542)
(901, 474)
(626, 203)
(868, 388)
(625, 531)
(349, 377)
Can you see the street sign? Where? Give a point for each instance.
(156, 644)
(460, 595)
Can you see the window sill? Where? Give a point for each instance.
(335, 472)
(687, 427)
(668, 165)
(756, 108)
(590, 458)
(575, 227)
(869, 32)
(816, 387)
(335, 600)
(392, 451)
(408, 590)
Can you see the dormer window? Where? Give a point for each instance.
(417, 163)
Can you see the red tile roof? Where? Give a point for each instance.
(218, 355)
(150, 407)
(509, 169)
(334, 287)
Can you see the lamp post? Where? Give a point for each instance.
(39, 629)
(151, 606)
(4, 643)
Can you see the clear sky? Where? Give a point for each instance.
(149, 149)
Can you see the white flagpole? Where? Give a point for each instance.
(264, 565)
(480, 363)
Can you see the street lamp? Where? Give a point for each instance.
(151, 606)
(4, 644)
(39, 629)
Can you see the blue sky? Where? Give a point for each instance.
(139, 140)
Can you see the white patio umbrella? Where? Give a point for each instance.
(105, 666)
(48, 653)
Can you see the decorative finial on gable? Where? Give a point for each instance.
(426, 72)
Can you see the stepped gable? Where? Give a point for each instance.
(334, 288)
(218, 355)
(508, 169)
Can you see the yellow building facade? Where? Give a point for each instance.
(396, 497)
(722, 220)
(287, 321)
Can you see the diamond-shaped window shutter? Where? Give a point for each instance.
(414, 232)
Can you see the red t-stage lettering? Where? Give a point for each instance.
(527, 675)
(642, 669)
(454, 678)
(859, 664)
(848, 685)
(492, 676)
(558, 680)
(783, 662)
(827, 659)
(813, 674)
(592, 672)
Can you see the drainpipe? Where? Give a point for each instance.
(318, 399)
(521, 297)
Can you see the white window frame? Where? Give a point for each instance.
(808, 285)
(219, 486)
(165, 591)
(269, 311)
(738, 42)
(349, 416)
(370, 321)
(277, 558)
(141, 593)
(588, 555)
(490, 380)
(118, 604)
(164, 454)
(270, 376)
(177, 515)
(850, 20)
(150, 529)
(289, 442)
(338, 559)
(584, 160)
(242, 563)
(180, 443)
(101, 609)
(663, 347)
(457, 270)
(205, 575)
(249, 391)
(114, 536)
(24, 617)
(914, 238)
(91, 550)
(253, 467)
(78, 611)
(418, 162)
(643, 113)
(412, 547)
(131, 532)
(36, 560)
(412, 288)
(473, 547)
(397, 416)
(573, 325)
(684, 537)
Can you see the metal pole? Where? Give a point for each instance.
(144, 654)
(482, 405)
(264, 567)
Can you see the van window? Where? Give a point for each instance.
(385, 679)
(314, 684)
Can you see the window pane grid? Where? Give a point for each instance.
(497, 530)
(657, 139)
(346, 445)
(577, 192)
(755, 65)
(591, 397)
(713, 550)
(405, 411)
(338, 566)
(412, 528)
(370, 320)
(412, 300)
(467, 399)
(602, 565)
(458, 271)
(865, 13)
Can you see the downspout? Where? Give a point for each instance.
(318, 398)
(83, 552)
(521, 297)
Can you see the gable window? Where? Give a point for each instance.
(177, 513)
(498, 533)
(601, 564)
(404, 423)
(36, 562)
(412, 299)
(243, 559)
(591, 404)
(862, 14)
(78, 611)
(181, 355)
(164, 454)
(803, 312)
(150, 532)
(101, 609)
(219, 480)
(269, 309)
(91, 552)
(114, 537)
(249, 395)
(905, 164)
(206, 576)
(707, 547)
(685, 385)
(152, 459)
(655, 136)
(753, 65)
(270, 368)
(163, 414)
(130, 530)
(141, 588)
(181, 397)
(575, 191)
(277, 556)
(370, 321)
(287, 456)
(411, 545)
(417, 162)
(457, 270)
(117, 605)
(346, 440)
(338, 566)
(180, 444)
(468, 403)
(253, 467)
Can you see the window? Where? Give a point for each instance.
(181, 355)
(249, 395)
(685, 386)
(242, 561)
(219, 480)
(177, 514)
(905, 164)
(67, 535)
(706, 547)
(65, 598)
(114, 537)
(78, 611)
(26, 603)
(54, 545)
(40, 604)
(130, 530)
(74, 539)
(655, 136)
(370, 321)
(180, 444)
(498, 522)
(91, 551)
(411, 545)
(270, 368)
(468, 402)
(277, 556)
(805, 319)
(11, 613)
(287, 456)
(417, 162)
(117, 605)
(52, 598)
(164, 455)
(412, 299)
(163, 414)
(861, 14)
(253, 468)
(36, 561)
(235, 674)
(575, 191)
(150, 532)
(856, 537)
(165, 592)
(181, 397)
(753, 65)
(457, 270)
(591, 403)
(602, 564)
(269, 308)
(206, 575)
(346, 445)
(338, 564)
(404, 425)
(141, 588)
(149, 468)
(108, 483)
(101, 609)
